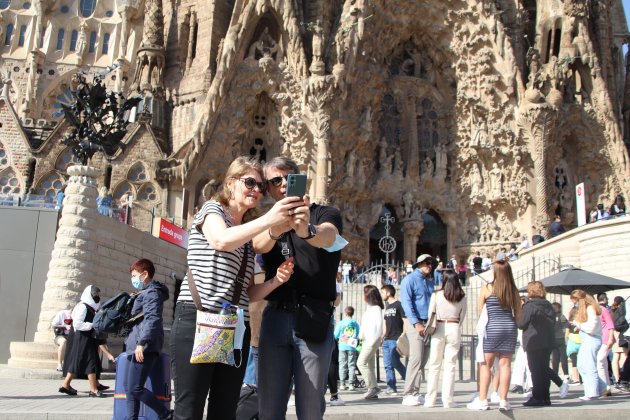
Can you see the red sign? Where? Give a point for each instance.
(173, 233)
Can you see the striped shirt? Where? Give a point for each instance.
(215, 271)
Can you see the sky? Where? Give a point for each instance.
(626, 8)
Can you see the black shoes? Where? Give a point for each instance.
(102, 387)
(67, 391)
(97, 394)
(532, 402)
(169, 416)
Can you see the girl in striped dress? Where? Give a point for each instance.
(503, 304)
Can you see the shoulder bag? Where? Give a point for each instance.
(214, 334)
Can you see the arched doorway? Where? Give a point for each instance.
(433, 237)
(378, 231)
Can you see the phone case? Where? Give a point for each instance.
(296, 185)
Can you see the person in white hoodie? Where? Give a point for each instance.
(370, 333)
(587, 322)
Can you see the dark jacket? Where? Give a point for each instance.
(150, 331)
(556, 229)
(537, 322)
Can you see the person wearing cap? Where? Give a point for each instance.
(415, 293)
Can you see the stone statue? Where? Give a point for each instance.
(488, 229)
(264, 47)
(427, 166)
(479, 130)
(413, 67)
(384, 161)
(398, 164)
(496, 182)
(506, 228)
(476, 182)
(81, 42)
(318, 41)
(441, 161)
(408, 205)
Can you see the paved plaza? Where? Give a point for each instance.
(38, 399)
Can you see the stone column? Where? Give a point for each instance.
(70, 269)
(412, 230)
(413, 160)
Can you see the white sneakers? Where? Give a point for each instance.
(564, 389)
(478, 404)
(504, 406)
(337, 401)
(494, 398)
(413, 400)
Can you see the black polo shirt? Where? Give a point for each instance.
(315, 269)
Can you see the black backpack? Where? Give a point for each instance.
(114, 314)
(619, 319)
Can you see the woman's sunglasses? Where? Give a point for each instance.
(276, 181)
(250, 183)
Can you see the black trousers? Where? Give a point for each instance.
(538, 361)
(625, 373)
(559, 357)
(333, 371)
(194, 383)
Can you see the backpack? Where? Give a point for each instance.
(619, 319)
(114, 314)
(247, 408)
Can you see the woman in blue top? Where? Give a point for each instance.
(145, 340)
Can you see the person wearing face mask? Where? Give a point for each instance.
(82, 353)
(146, 339)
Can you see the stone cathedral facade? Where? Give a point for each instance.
(470, 121)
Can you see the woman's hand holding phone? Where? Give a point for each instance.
(285, 270)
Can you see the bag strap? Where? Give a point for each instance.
(238, 289)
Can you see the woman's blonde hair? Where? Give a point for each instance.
(584, 300)
(103, 191)
(504, 287)
(535, 289)
(239, 167)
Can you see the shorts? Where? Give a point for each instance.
(60, 339)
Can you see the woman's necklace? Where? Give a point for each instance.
(229, 213)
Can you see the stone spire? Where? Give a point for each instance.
(151, 58)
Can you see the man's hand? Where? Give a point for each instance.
(420, 328)
(139, 353)
(283, 274)
(301, 217)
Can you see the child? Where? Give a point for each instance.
(347, 332)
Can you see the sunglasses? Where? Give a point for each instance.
(250, 183)
(276, 181)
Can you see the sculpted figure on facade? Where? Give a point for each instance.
(488, 230)
(441, 161)
(81, 42)
(496, 181)
(264, 47)
(427, 168)
(476, 183)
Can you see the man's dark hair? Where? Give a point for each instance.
(349, 311)
(600, 206)
(372, 296)
(601, 297)
(390, 289)
(283, 163)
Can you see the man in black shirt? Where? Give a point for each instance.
(285, 358)
(477, 261)
(393, 328)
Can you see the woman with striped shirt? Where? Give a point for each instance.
(220, 236)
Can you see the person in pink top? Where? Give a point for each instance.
(608, 339)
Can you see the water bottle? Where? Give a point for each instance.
(226, 310)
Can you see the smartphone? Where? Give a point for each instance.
(296, 185)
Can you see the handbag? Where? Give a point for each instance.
(312, 321)
(402, 345)
(429, 329)
(214, 333)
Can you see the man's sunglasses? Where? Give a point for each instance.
(250, 183)
(276, 181)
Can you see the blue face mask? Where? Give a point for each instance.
(137, 282)
(339, 244)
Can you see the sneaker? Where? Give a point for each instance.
(336, 401)
(494, 398)
(474, 396)
(517, 389)
(504, 406)
(564, 389)
(390, 392)
(59, 368)
(477, 404)
(528, 394)
(428, 404)
(585, 398)
(410, 401)
(350, 388)
(372, 394)
(449, 405)
(97, 394)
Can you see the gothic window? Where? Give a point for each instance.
(9, 183)
(65, 159)
(4, 158)
(427, 123)
(73, 40)
(92, 46)
(60, 36)
(49, 186)
(22, 37)
(122, 189)
(390, 121)
(105, 43)
(9, 34)
(4, 4)
(148, 192)
(137, 173)
(260, 121)
(87, 7)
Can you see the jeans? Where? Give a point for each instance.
(137, 374)
(538, 361)
(559, 358)
(285, 357)
(417, 359)
(444, 348)
(348, 366)
(392, 363)
(587, 365)
(602, 365)
(251, 372)
(217, 383)
(367, 364)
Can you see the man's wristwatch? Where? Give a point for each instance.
(312, 231)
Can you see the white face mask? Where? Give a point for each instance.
(137, 282)
(339, 244)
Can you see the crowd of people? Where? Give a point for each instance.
(293, 249)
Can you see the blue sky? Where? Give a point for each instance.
(626, 7)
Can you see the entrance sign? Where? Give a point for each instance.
(580, 204)
(170, 232)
